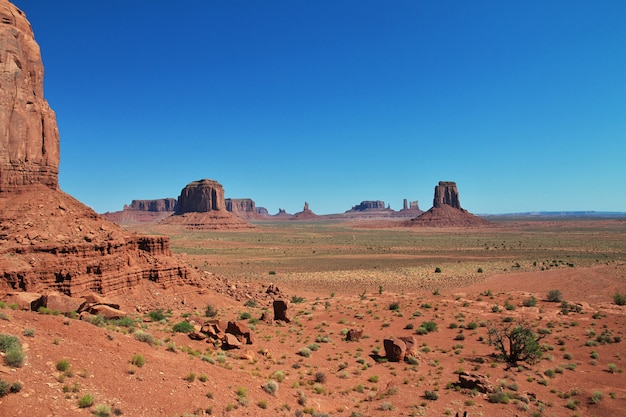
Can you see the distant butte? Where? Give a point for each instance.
(446, 210)
(306, 213)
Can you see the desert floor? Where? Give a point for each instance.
(342, 276)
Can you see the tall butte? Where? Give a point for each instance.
(29, 137)
(446, 210)
(49, 241)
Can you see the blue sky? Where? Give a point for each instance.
(333, 102)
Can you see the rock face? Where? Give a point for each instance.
(446, 210)
(159, 205)
(244, 208)
(305, 214)
(29, 139)
(395, 349)
(447, 194)
(201, 197)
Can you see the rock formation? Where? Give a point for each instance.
(201, 205)
(159, 205)
(446, 210)
(48, 240)
(369, 205)
(305, 214)
(29, 139)
(410, 206)
(244, 208)
(447, 194)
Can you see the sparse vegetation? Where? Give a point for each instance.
(555, 296)
(515, 342)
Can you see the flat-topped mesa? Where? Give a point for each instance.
(245, 208)
(201, 205)
(159, 205)
(369, 205)
(446, 193)
(200, 197)
(29, 138)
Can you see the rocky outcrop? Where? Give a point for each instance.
(305, 214)
(201, 206)
(29, 138)
(159, 205)
(395, 349)
(446, 210)
(410, 205)
(447, 194)
(244, 208)
(201, 197)
(369, 205)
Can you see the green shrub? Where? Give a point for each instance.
(395, 306)
(6, 388)
(182, 327)
(305, 352)
(437, 270)
(499, 397)
(245, 315)
(270, 387)
(29, 332)
(86, 401)
(14, 357)
(430, 326)
(210, 311)
(619, 299)
(63, 365)
(431, 395)
(144, 337)
(8, 341)
(297, 300)
(157, 315)
(555, 296)
(596, 397)
(138, 360)
(102, 410)
(530, 302)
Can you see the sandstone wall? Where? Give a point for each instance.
(29, 136)
(159, 205)
(201, 197)
(447, 194)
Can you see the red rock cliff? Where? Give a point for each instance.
(29, 136)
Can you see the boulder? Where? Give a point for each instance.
(240, 331)
(411, 345)
(196, 335)
(29, 138)
(63, 303)
(108, 312)
(281, 312)
(25, 300)
(230, 341)
(354, 335)
(395, 350)
(475, 381)
(215, 329)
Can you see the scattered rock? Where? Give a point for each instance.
(395, 350)
(230, 341)
(475, 381)
(354, 335)
(281, 313)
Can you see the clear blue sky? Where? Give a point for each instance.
(523, 103)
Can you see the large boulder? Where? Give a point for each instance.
(25, 300)
(395, 349)
(281, 310)
(29, 138)
(475, 381)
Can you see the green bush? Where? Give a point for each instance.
(8, 341)
(144, 337)
(182, 327)
(14, 357)
(619, 299)
(63, 365)
(86, 401)
(270, 387)
(530, 302)
(395, 306)
(555, 296)
(102, 410)
(499, 397)
(437, 270)
(430, 326)
(210, 311)
(157, 315)
(138, 360)
(431, 395)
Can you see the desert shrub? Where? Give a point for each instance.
(530, 302)
(472, 325)
(596, 397)
(245, 315)
(619, 299)
(102, 410)
(144, 337)
(14, 357)
(182, 327)
(262, 404)
(320, 377)
(305, 352)
(297, 300)
(515, 342)
(412, 360)
(437, 270)
(430, 326)
(555, 296)
(97, 320)
(431, 395)
(395, 306)
(210, 311)
(29, 332)
(499, 397)
(8, 342)
(86, 401)
(270, 387)
(190, 377)
(125, 321)
(6, 388)
(63, 365)
(138, 360)
(157, 315)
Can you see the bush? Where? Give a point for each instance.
(305, 352)
(619, 299)
(86, 401)
(14, 357)
(6, 388)
(182, 327)
(431, 395)
(430, 326)
(144, 337)
(395, 306)
(29, 332)
(297, 300)
(499, 397)
(270, 387)
(210, 311)
(555, 296)
(63, 365)
(437, 270)
(530, 302)
(8, 341)
(138, 360)
(102, 410)
(156, 315)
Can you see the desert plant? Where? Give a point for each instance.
(516, 342)
(297, 300)
(395, 306)
(157, 315)
(144, 337)
(270, 387)
(86, 401)
(619, 299)
(430, 326)
(210, 311)
(138, 360)
(182, 327)
(555, 296)
(596, 397)
(530, 302)
(305, 352)
(320, 377)
(29, 332)
(6, 388)
(63, 365)
(431, 395)
(437, 270)
(102, 410)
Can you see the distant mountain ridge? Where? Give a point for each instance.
(562, 214)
